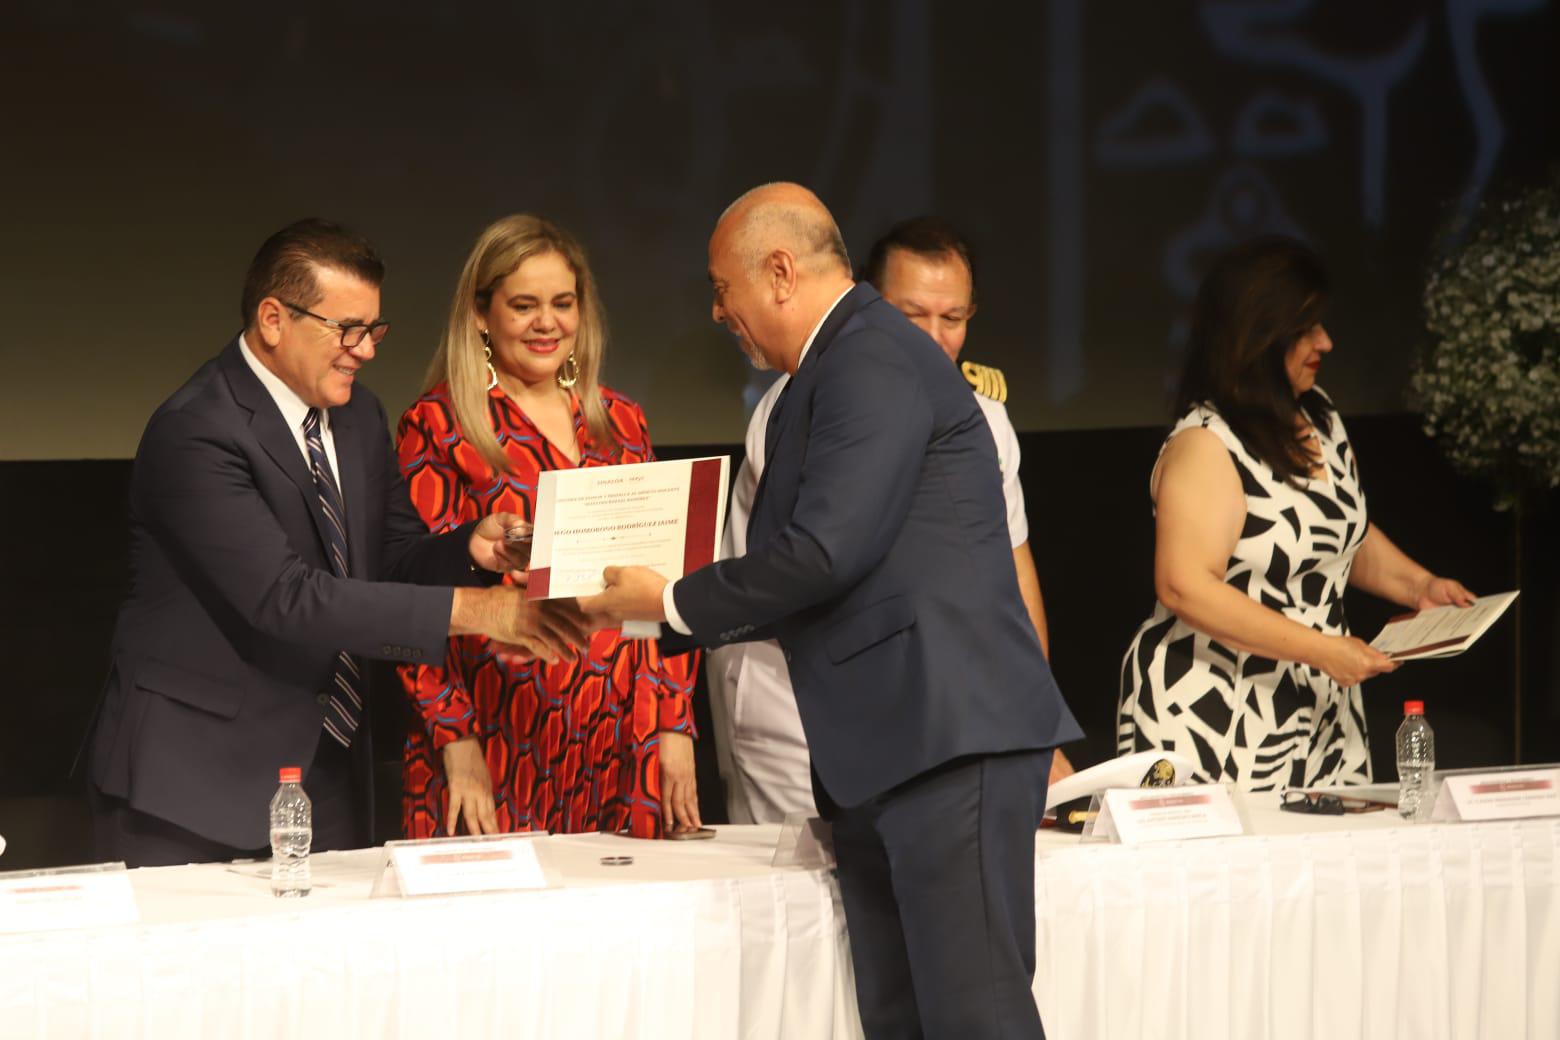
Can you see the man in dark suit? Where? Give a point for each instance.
(878, 555)
(274, 550)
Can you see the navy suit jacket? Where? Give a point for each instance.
(227, 640)
(878, 555)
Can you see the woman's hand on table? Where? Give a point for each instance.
(1350, 661)
(679, 789)
(470, 787)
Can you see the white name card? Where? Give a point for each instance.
(73, 897)
(1134, 815)
(1503, 795)
(446, 866)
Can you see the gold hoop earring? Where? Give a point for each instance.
(487, 355)
(572, 367)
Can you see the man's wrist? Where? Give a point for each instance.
(460, 611)
(669, 606)
(470, 610)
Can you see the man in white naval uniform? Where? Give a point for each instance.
(923, 267)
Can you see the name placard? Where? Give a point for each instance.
(447, 866)
(1137, 815)
(805, 841)
(72, 897)
(1503, 795)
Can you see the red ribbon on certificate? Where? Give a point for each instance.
(703, 512)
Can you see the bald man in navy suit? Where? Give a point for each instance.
(878, 556)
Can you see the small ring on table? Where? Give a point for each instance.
(617, 861)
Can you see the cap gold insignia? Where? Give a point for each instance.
(1160, 774)
(987, 381)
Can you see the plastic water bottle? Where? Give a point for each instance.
(292, 831)
(1416, 762)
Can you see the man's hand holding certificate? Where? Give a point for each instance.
(663, 516)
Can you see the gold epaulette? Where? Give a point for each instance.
(987, 381)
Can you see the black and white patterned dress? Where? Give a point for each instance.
(1256, 722)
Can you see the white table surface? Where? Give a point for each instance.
(694, 939)
(1325, 927)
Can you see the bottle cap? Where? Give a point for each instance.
(290, 774)
(1413, 707)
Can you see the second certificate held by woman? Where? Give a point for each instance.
(1247, 665)
(601, 742)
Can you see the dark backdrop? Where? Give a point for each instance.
(1097, 151)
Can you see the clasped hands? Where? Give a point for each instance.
(549, 629)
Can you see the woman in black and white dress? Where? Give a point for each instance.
(1247, 666)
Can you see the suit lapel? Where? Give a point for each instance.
(790, 408)
(270, 430)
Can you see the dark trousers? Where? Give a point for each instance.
(336, 785)
(938, 881)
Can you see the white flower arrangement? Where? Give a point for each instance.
(1490, 381)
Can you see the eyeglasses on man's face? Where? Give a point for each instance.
(352, 332)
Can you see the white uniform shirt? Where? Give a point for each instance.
(759, 742)
(1007, 457)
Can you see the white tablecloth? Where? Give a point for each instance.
(1308, 927)
(695, 939)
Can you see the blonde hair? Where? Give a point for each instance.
(460, 360)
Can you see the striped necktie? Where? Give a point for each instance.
(346, 705)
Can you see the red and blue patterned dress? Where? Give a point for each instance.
(572, 746)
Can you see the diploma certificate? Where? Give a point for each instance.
(1440, 631)
(667, 516)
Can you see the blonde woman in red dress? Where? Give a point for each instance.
(601, 742)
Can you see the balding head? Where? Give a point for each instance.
(784, 216)
(778, 262)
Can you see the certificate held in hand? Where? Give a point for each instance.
(1440, 631)
(667, 516)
